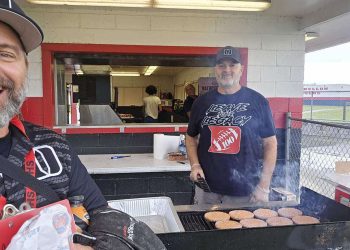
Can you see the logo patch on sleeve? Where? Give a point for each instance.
(225, 139)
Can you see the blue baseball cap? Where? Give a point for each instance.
(229, 53)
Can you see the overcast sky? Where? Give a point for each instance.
(328, 66)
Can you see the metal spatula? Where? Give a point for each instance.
(202, 183)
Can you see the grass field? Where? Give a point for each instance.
(330, 113)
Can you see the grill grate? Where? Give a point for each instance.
(312, 204)
(194, 222)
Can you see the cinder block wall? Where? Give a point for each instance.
(176, 185)
(275, 44)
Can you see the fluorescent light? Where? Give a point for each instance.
(238, 5)
(311, 35)
(115, 3)
(150, 70)
(125, 74)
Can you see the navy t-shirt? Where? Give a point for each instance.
(189, 102)
(230, 146)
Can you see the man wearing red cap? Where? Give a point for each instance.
(38, 153)
(236, 151)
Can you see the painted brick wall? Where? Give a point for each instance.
(34, 78)
(275, 45)
(176, 185)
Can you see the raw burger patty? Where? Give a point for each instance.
(303, 219)
(249, 223)
(216, 216)
(241, 214)
(263, 213)
(228, 224)
(289, 212)
(279, 221)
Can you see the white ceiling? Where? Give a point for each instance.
(329, 18)
(298, 8)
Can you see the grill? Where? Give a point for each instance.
(332, 233)
(195, 222)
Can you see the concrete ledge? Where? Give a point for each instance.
(136, 163)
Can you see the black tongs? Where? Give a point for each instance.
(202, 183)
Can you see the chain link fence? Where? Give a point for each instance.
(314, 147)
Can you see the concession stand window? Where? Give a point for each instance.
(84, 89)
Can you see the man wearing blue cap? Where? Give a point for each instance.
(236, 129)
(37, 166)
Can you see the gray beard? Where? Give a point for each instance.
(14, 102)
(228, 85)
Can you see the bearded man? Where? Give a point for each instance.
(236, 128)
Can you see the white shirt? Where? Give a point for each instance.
(151, 106)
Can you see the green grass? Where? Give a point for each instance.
(331, 113)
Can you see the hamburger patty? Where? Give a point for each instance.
(228, 224)
(303, 219)
(289, 212)
(216, 216)
(263, 213)
(241, 214)
(249, 223)
(279, 221)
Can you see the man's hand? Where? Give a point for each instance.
(260, 194)
(196, 171)
(191, 146)
(81, 247)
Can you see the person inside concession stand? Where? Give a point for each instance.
(191, 96)
(236, 129)
(22, 143)
(152, 105)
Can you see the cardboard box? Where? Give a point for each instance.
(342, 167)
(342, 196)
(342, 191)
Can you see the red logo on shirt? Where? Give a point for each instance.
(225, 139)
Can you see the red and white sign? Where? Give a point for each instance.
(225, 139)
(205, 84)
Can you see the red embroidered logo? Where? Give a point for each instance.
(225, 139)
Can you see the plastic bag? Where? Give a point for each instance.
(50, 229)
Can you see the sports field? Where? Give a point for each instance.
(330, 113)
